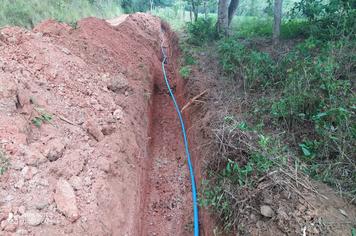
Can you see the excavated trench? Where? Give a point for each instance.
(166, 200)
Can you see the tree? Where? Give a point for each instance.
(277, 21)
(194, 8)
(226, 12)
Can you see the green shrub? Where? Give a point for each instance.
(255, 68)
(236, 171)
(309, 93)
(185, 72)
(201, 31)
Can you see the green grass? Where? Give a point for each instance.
(251, 27)
(176, 17)
(28, 13)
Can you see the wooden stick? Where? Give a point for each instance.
(194, 99)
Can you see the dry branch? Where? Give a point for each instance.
(194, 99)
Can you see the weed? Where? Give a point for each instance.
(4, 163)
(255, 68)
(43, 117)
(185, 72)
(201, 31)
(244, 157)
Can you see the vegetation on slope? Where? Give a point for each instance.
(29, 13)
(298, 101)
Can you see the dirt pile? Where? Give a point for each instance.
(74, 125)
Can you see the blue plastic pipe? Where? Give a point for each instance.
(191, 170)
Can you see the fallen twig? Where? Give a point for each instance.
(66, 120)
(194, 99)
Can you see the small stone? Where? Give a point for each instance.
(33, 218)
(267, 211)
(11, 227)
(76, 182)
(34, 158)
(87, 181)
(17, 165)
(66, 51)
(65, 200)
(20, 183)
(94, 131)
(3, 216)
(28, 172)
(41, 202)
(21, 232)
(108, 129)
(21, 210)
(118, 114)
(118, 84)
(55, 150)
(23, 98)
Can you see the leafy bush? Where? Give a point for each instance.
(310, 94)
(255, 68)
(185, 72)
(332, 19)
(246, 157)
(201, 31)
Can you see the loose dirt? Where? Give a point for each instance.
(89, 134)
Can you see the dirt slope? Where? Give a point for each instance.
(90, 91)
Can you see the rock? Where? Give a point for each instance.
(20, 183)
(3, 216)
(87, 181)
(66, 51)
(21, 232)
(21, 210)
(65, 200)
(118, 114)
(23, 98)
(76, 182)
(108, 129)
(17, 165)
(55, 150)
(267, 211)
(118, 84)
(10, 227)
(34, 158)
(94, 131)
(71, 164)
(28, 172)
(41, 202)
(33, 218)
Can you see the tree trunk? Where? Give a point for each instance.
(232, 10)
(223, 17)
(277, 21)
(195, 10)
(205, 10)
(190, 14)
(151, 5)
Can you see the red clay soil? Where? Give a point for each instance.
(97, 164)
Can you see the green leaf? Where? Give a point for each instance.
(305, 150)
(37, 121)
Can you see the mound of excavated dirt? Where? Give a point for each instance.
(74, 123)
